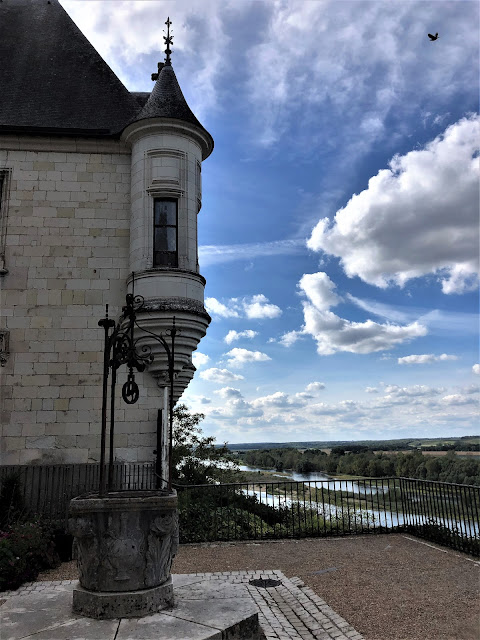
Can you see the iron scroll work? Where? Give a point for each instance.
(121, 347)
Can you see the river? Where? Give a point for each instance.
(382, 517)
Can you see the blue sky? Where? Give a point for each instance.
(339, 228)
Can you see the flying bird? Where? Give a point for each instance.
(432, 38)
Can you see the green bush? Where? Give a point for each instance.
(26, 548)
(12, 504)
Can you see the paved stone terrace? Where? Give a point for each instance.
(289, 611)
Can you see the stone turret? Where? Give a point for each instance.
(168, 146)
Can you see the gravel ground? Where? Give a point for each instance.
(389, 587)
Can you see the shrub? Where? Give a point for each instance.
(12, 504)
(26, 548)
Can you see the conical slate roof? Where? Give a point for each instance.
(167, 100)
(52, 79)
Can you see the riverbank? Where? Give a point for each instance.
(389, 587)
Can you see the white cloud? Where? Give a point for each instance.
(122, 33)
(238, 357)
(371, 389)
(199, 359)
(259, 307)
(476, 369)
(233, 335)
(213, 306)
(320, 290)
(255, 307)
(418, 217)
(426, 358)
(279, 399)
(334, 334)
(458, 399)
(413, 391)
(289, 338)
(229, 392)
(219, 375)
(313, 387)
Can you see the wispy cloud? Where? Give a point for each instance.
(438, 321)
(217, 254)
(426, 358)
(335, 334)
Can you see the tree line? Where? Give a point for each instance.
(449, 468)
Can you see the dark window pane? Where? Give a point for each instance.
(165, 212)
(165, 239)
(171, 238)
(165, 233)
(165, 259)
(161, 239)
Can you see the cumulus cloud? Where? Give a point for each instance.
(233, 335)
(333, 333)
(229, 392)
(426, 358)
(199, 359)
(238, 357)
(314, 387)
(256, 307)
(371, 389)
(221, 376)
(289, 338)
(213, 306)
(476, 369)
(413, 391)
(259, 307)
(279, 399)
(418, 217)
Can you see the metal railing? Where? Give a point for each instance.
(438, 511)
(47, 489)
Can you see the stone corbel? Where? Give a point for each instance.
(4, 346)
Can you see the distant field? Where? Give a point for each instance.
(408, 444)
(428, 453)
(444, 453)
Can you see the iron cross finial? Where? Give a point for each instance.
(168, 41)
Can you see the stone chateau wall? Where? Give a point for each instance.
(67, 254)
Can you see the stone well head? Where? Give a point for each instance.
(125, 543)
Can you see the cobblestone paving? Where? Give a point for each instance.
(289, 611)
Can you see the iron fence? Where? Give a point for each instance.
(438, 511)
(47, 489)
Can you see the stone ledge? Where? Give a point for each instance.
(103, 605)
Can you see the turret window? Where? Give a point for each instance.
(165, 235)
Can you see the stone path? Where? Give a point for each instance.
(287, 611)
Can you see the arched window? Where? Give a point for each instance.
(165, 233)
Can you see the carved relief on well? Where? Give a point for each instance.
(124, 543)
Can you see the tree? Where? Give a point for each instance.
(195, 458)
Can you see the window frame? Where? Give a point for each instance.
(156, 251)
(5, 175)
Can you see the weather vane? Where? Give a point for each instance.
(168, 41)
